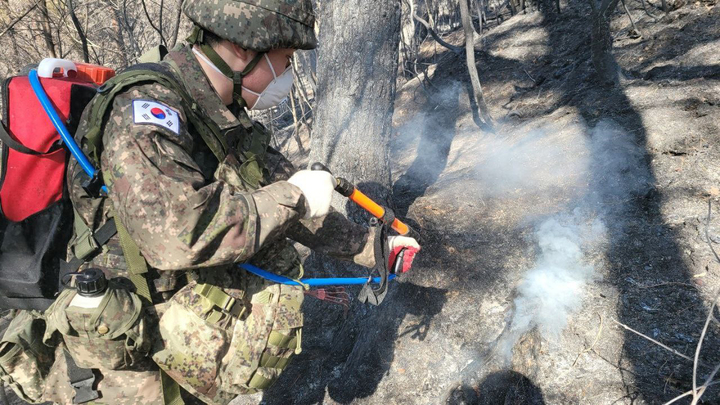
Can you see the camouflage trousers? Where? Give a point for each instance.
(214, 356)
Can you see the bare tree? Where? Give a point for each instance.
(80, 31)
(355, 96)
(472, 68)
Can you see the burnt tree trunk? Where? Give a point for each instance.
(601, 42)
(357, 68)
(483, 112)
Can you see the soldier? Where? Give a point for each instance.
(194, 189)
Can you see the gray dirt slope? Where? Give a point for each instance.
(432, 341)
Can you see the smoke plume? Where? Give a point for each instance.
(552, 289)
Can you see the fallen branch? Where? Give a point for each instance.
(458, 50)
(688, 358)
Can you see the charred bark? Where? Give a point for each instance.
(483, 112)
(357, 68)
(601, 42)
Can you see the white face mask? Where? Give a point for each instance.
(276, 91)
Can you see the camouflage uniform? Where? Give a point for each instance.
(193, 219)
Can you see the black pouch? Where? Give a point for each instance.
(31, 257)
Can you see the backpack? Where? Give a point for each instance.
(37, 221)
(35, 212)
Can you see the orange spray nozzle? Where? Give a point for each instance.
(347, 189)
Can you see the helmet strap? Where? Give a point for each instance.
(197, 38)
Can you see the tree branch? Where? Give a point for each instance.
(158, 30)
(17, 20)
(435, 36)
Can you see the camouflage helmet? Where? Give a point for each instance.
(259, 25)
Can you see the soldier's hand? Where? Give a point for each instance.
(402, 248)
(317, 186)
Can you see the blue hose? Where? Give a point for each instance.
(60, 126)
(312, 282)
(90, 170)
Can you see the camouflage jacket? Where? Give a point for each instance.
(188, 216)
(167, 193)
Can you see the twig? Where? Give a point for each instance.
(528, 74)
(696, 394)
(648, 11)
(631, 20)
(17, 20)
(653, 340)
(688, 393)
(597, 337)
(159, 30)
(707, 233)
(667, 283)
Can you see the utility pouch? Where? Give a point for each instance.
(25, 361)
(262, 356)
(219, 343)
(245, 176)
(107, 332)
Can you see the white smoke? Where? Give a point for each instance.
(553, 288)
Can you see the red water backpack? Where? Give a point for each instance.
(35, 213)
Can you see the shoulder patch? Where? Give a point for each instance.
(154, 113)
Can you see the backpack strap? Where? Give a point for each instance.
(146, 73)
(11, 143)
(137, 269)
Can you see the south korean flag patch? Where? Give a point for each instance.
(152, 112)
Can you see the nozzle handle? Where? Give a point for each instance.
(343, 186)
(348, 190)
(320, 166)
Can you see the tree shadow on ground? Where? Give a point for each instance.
(499, 388)
(643, 248)
(435, 129)
(361, 353)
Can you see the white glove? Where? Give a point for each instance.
(396, 245)
(317, 186)
(402, 241)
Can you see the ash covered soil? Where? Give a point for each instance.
(586, 208)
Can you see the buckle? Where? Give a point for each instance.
(84, 392)
(93, 185)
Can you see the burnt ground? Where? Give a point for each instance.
(433, 340)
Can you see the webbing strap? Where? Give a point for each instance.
(274, 361)
(82, 380)
(137, 268)
(220, 299)
(277, 339)
(259, 382)
(136, 265)
(17, 146)
(170, 390)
